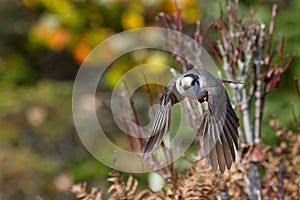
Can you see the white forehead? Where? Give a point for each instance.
(187, 80)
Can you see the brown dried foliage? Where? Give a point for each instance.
(198, 183)
(281, 180)
(282, 164)
(201, 183)
(119, 189)
(81, 192)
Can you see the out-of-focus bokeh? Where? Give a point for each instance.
(42, 44)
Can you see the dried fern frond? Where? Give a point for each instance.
(121, 190)
(148, 195)
(80, 192)
(172, 192)
(235, 181)
(201, 183)
(198, 183)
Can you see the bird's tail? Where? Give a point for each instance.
(230, 81)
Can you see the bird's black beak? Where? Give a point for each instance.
(186, 87)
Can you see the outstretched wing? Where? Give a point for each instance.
(162, 119)
(219, 128)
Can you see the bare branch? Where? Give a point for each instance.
(134, 117)
(179, 17)
(214, 52)
(254, 12)
(259, 101)
(148, 92)
(297, 87)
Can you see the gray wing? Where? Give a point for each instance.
(162, 119)
(219, 126)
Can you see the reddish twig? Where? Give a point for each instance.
(148, 93)
(206, 30)
(280, 50)
(135, 118)
(254, 12)
(136, 121)
(297, 87)
(289, 63)
(128, 135)
(215, 52)
(197, 31)
(271, 26)
(198, 36)
(179, 17)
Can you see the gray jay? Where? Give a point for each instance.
(218, 125)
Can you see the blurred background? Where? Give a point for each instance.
(43, 43)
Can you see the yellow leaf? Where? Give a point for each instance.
(131, 20)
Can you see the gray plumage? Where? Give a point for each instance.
(218, 126)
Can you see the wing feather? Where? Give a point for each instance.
(229, 138)
(227, 152)
(221, 135)
(161, 125)
(233, 132)
(213, 157)
(162, 119)
(221, 157)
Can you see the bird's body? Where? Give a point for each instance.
(218, 126)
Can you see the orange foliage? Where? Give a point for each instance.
(58, 39)
(81, 51)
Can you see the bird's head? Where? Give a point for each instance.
(187, 82)
(188, 85)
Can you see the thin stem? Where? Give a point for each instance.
(297, 88)
(245, 110)
(259, 95)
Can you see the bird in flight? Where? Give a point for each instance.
(218, 126)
